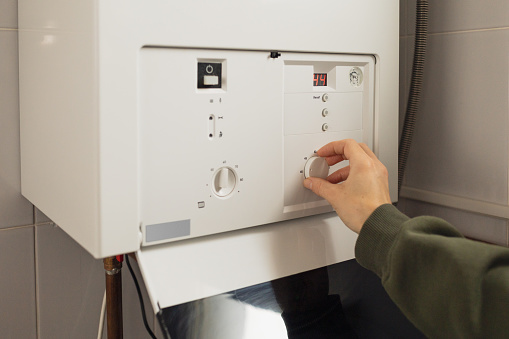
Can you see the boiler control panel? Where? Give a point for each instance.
(227, 137)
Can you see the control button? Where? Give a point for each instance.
(316, 167)
(325, 112)
(325, 127)
(210, 80)
(209, 74)
(325, 97)
(224, 182)
(201, 204)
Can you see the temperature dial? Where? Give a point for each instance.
(316, 167)
(224, 181)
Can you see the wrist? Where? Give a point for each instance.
(377, 236)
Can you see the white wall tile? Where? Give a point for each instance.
(410, 16)
(461, 141)
(461, 15)
(476, 226)
(40, 217)
(70, 284)
(9, 14)
(17, 283)
(15, 210)
(403, 13)
(454, 15)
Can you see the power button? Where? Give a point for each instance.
(209, 74)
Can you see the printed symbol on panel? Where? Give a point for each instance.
(356, 77)
(209, 69)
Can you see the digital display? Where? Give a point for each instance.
(319, 79)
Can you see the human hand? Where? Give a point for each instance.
(363, 184)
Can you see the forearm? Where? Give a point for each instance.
(446, 285)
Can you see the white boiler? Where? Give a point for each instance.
(182, 130)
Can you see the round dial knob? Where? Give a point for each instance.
(224, 181)
(316, 167)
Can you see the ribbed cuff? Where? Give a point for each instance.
(377, 236)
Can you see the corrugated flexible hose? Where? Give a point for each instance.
(421, 33)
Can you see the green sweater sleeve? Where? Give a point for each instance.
(446, 285)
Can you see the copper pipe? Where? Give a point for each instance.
(114, 297)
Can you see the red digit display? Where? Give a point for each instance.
(319, 79)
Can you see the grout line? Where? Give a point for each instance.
(26, 226)
(36, 277)
(45, 223)
(15, 227)
(460, 32)
(37, 303)
(461, 203)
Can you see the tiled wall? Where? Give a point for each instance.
(51, 288)
(458, 164)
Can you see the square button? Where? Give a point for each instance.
(210, 80)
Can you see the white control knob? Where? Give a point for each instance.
(224, 181)
(316, 167)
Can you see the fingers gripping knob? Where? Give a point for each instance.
(316, 167)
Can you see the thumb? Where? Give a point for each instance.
(320, 187)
